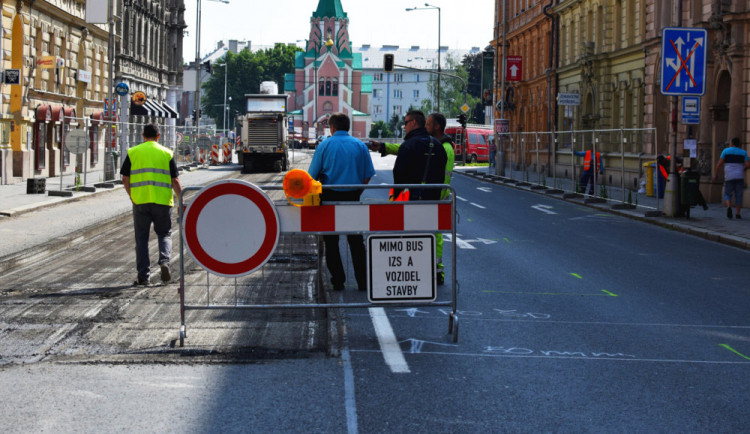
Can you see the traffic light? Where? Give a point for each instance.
(462, 120)
(388, 62)
(194, 115)
(207, 65)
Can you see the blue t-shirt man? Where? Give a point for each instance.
(735, 162)
(342, 159)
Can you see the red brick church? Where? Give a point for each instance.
(328, 76)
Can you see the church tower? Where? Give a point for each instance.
(328, 76)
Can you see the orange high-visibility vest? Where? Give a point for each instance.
(587, 160)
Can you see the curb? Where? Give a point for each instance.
(706, 234)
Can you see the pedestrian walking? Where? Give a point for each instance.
(338, 160)
(590, 170)
(149, 175)
(735, 162)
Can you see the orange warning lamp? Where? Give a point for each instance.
(298, 184)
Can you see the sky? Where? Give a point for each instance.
(464, 23)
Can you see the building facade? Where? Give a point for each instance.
(394, 92)
(62, 69)
(328, 76)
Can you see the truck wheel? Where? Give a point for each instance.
(285, 165)
(278, 166)
(473, 158)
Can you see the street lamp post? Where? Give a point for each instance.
(224, 115)
(429, 6)
(197, 102)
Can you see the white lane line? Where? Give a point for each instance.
(461, 244)
(461, 199)
(349, 399)
(477, 205)
(485, 189)
(392, 353)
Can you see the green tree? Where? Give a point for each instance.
(451, 91)
(244, 71)
(395, 123)
(381, 127)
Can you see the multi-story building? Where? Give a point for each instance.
(328, 75)
(394, 92)
(528, 31)
(63, 78)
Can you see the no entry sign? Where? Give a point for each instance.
(231, 228)
(401, 268)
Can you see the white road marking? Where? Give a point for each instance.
(461, 244)
(392, 353)
(544, 209)
(485, 189)
(461, 199)
(477, 205)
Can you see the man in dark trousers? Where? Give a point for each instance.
(339, 160)
(149, 174)
(420, 160)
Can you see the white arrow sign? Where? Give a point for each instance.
(513, 71)
(544, 208)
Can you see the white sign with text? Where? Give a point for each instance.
(401, 268)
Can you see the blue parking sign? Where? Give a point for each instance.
(683, 64)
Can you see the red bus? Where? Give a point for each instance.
(477, 141)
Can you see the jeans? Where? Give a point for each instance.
(143, 216)
(356, 246)
(734, 187)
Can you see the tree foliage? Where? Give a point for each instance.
(382, 128)
(244, 73)
(451, 91)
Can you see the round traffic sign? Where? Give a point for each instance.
(231, 228)
(180, 137)
(122, 89)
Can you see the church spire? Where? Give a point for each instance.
(329, 9)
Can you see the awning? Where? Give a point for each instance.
(153, 109)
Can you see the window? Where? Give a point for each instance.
(377, 93)
(415, 92)
(321, 87)
(398, 78)
(416, 78)
(328, 87)
(482, 140)
(396, 109)
(472, 137)
(397, 93)
(378, 109)
(378, 76)
(335, 91)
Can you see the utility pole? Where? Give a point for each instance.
(110, 174)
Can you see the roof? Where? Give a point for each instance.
(366, 83)
(359, 113)
(414, 56)
(329, 9)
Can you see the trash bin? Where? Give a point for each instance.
(690, 182)
(36, 185)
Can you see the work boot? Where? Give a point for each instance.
(166, 276)
(441, 277)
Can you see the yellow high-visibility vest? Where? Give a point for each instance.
(150, 181)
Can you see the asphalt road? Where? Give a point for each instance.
(570, 320)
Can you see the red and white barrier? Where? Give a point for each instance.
(200, 156)
(409, 216)
(227, 153)
(215, 154)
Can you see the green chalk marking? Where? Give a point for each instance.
(576, 275)
(734, 351)
(609, 293)
(506, 240)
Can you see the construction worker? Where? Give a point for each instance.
(589, 171)
(436, 127)
(149, 175)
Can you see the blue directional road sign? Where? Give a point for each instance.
(683, 64)
(691, 110)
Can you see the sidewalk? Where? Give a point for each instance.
(711, 224)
